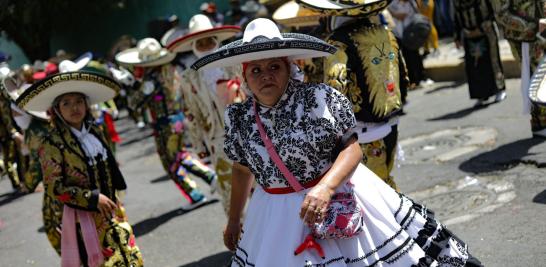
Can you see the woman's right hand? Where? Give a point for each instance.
(231, 234)
(106, 206)
(240, 189)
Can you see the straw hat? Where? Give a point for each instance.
(293, 15)
(201, 27)
(262, 39)
(351, 8)
(148, 53)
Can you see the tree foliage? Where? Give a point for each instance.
(31, 23)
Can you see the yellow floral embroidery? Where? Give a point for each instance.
(378, 52)
(336, 76)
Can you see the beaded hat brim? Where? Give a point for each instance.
(293, 46)
(40, 96)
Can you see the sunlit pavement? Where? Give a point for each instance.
(478, 168)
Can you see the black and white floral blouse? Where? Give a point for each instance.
(307, 127)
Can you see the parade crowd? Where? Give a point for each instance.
(294, 110)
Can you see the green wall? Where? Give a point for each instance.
(97, 34)
(17, 56)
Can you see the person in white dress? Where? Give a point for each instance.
(311, 128)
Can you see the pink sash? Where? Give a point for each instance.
(293, 181)
(70, 255)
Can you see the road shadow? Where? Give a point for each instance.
(459, 114)
(136, 139)
(161, 179)
(501, 158)
(217, 260)
(452, 85)
(146, 226)
(146, 152)
(131, 128)
(540, 198)
(6, 198)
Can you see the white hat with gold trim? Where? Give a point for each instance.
(40, 96)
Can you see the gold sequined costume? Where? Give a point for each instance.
(368, 69)
(70, 179)
(519, 21)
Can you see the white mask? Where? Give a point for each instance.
(200, 54)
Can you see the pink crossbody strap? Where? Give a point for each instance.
(273, 154)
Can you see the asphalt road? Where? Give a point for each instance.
(479, 169)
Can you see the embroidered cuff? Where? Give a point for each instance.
(94, 200)
(346, 137)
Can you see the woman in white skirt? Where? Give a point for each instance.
(310, 126)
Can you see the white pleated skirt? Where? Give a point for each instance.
(397, 232)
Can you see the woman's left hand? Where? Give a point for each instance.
(315, 204)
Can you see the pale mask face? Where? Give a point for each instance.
(204, 46)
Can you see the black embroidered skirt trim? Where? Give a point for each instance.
(433, 238)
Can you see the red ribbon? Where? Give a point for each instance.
(310, 243)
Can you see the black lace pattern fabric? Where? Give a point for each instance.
(305, 127)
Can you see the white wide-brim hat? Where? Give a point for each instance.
(14, 91)
(250, 6)
(40, 96)
(148, 53)
(350, 8)
(171, 35)
(76, 65)
(201, 27)
(293, 15)
(261, 40)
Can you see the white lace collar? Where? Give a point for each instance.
(91, 145)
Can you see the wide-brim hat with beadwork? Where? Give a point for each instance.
(40, 96)
(147, 53)
(201, 27)
(293, 15)
(350, 8)
(261, 40)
